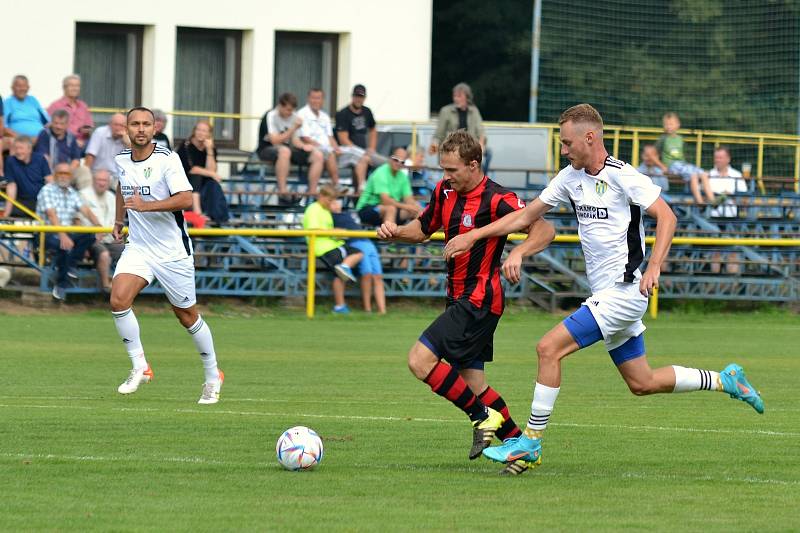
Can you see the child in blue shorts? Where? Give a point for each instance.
(370, 266)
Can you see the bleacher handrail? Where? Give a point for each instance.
(313, 234)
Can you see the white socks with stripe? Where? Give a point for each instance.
(544, 398)
(692, 379)
(201, 334)
(128, 329)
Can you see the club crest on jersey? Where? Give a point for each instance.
(147, 172)
(600, 187)
(466, 220)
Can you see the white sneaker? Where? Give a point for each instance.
(210, 392)
(137, 377)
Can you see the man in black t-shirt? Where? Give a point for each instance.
(357, 136)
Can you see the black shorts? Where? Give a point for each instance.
(270, 154)
(370, 216)
(463, 335)
(334, 257)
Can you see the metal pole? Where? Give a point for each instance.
(312, 275)
(536, 29)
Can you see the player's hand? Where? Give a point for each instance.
(135, 202)
(117, 232)
(458, 245)
(649, 281)
(64, 242)
(512, 266)
(387, 231)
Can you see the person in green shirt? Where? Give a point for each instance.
(387, 196)
(332, 251)
(672, 160)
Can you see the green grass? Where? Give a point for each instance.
(75, 455)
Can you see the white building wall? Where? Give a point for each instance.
(384, 45)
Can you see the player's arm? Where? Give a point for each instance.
(540, 234)
(177, 202)
(411, 232)
(665, 230)
(510, 223)
(119, 215)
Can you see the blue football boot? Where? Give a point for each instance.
(520, 454)
(735, 383)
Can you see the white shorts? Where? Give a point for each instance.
(618, 311)
(176, 277)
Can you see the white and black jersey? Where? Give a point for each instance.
(160, 235)
(609, 208)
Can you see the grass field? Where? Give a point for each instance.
(75, 455)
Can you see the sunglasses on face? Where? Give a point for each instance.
(397, 160)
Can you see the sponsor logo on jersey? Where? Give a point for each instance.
(130, 190)
(600, 187)
(590, 212)
(147, 172)
(466, 220)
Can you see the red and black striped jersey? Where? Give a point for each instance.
(475, 274)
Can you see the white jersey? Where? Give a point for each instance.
(160, 235)
(609, 211)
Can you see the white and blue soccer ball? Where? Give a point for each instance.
(299, 448)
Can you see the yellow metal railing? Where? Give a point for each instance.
(635, 134)
(313, 234)
(34, 216)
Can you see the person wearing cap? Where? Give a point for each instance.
(357, 136)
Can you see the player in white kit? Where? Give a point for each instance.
(609, 198)
(154, 191)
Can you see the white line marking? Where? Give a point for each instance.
(404, 419)
(407, 466)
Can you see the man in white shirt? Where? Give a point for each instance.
(608, 197)
(103, 204)
(317, 132)
(154, 190)
(725, 180)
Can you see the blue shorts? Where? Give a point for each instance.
(371, 264)
(684, 170)
(584, 330)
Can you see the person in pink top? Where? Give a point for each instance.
(80, 119)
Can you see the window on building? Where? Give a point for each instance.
(306, 60)
(207, 79)
(108, 58)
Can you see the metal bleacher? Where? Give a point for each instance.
(277, 267)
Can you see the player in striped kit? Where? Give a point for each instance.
(154, 191)
(450, 355)
(608, 197)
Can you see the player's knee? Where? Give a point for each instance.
(119, 302)
(547, 350)
(417, 364)
(641, 388)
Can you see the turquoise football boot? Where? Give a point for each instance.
(735, 383)
(518, 452)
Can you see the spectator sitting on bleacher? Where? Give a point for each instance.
(317, 132)
(22, 113)
(649, 167)
(423, 180)
(370, 266)
(103, 204)
(332, 251)
(199, 158)
(725, 181)
(672, 160)
(279, 143)
(80, 119)
(105, 143)
(26, 173)
(357, 136)
(387, 196)
(159, 123)
(58, 204)
(57, 144)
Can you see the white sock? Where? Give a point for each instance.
(692, 379)
(544, 398)
(128, 329)
(201, 334)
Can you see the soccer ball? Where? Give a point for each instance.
(299, 448)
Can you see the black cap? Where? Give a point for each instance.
(359, 90)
